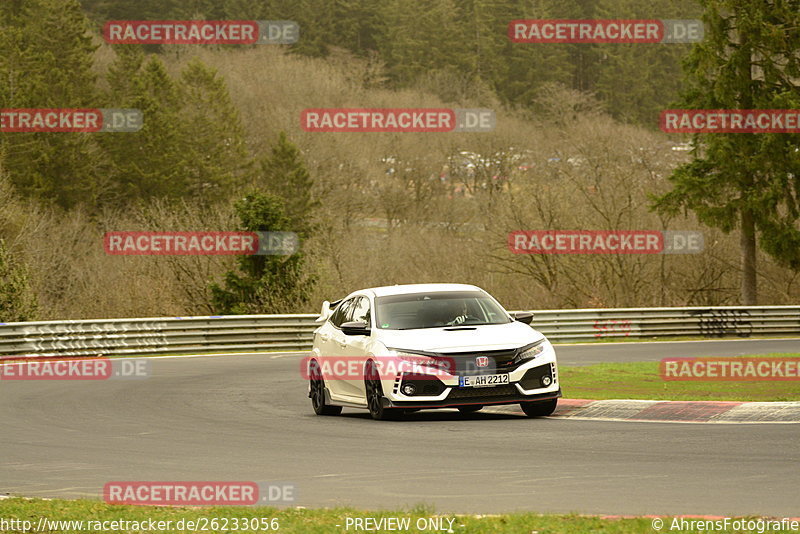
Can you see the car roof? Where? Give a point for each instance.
(406, 289)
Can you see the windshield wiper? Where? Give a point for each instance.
(421, 327)
(470, 326)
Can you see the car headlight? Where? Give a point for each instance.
(425, 360)
(532, 351)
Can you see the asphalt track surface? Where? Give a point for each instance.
(246, 417)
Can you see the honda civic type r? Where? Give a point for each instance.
(403, 348)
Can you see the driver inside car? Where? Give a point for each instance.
(460, 313)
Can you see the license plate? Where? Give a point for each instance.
(483, 381)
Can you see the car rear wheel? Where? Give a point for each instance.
(539, 408)
(317, 392)
(374, 391)
(472, 408)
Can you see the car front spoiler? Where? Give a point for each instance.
(496, 400)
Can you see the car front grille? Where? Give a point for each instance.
(479, 393)
(500, 361)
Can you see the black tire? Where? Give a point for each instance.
(317, 392)
(539, 408)
(470, 408)
(374, 394)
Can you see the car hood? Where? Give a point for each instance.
(459, 339)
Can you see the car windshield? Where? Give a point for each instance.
(433, 310)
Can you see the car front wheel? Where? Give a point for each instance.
(374, 391)
(539, 408)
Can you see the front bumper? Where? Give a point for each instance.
(486, 397)
(536, 380)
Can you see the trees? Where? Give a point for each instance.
(447, 44)
(421, 36)
(151, 162)
(192, 142)
(17, 302)
(263, 284)
(284, 174)
(214, 138)
(637, 81)
(139, 10)
(45, 61)
(272, 284)
(748, 60)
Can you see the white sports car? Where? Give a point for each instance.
(403, 348)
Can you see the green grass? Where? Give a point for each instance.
(310, 521)
(667, 339)
(641, 380)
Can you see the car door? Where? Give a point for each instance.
(331, 343)
(356, 348)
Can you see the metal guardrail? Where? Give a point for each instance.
(167, 335)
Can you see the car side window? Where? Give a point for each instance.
(361, 311)
(340, 314)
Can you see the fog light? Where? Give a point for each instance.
(409, 389)
(546, 380)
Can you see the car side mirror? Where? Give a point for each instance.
(523, 317)
(355, 328)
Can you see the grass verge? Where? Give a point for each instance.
(306, 521)
(641, 380)
(666, 339)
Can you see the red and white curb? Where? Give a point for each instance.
(674, 411)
